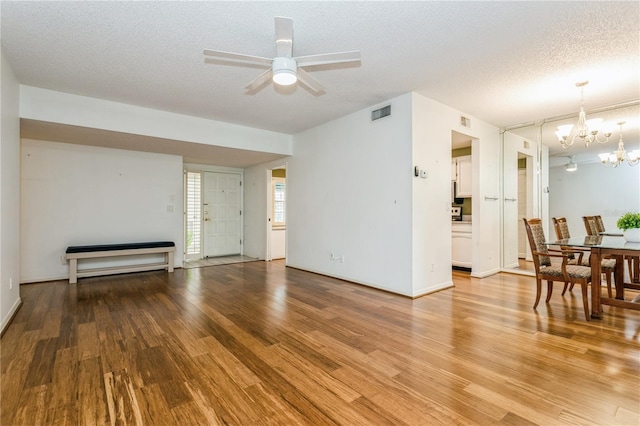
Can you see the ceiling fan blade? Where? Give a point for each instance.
(328, 58)
(311, 83)
(260, 81)
(284, 36)
(238, 57)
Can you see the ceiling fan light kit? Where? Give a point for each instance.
(587, 130)
(284, 69)
(572, 166)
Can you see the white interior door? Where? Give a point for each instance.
(221, 211)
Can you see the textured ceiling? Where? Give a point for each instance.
(503, 62)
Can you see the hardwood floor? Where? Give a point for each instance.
(257, 343)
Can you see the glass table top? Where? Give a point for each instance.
(599, 241)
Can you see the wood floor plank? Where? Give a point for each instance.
(41, 368)
(34, 412)
(263, 344)
(152, 405)
(236, 370)
(121, 399)
(92, 397)
(64, 388)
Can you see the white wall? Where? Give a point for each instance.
(432, 126)
(256, 205)
(77, 195)
(59, 107)
(349, 193)
(9, 193)
(593, 190)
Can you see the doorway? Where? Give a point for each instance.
(461, 201)
(277, 222)
(213, 218)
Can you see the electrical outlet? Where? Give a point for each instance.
(10, 283)
(63, 260)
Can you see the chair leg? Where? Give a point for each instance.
(549, 290)
(571, 286)
(634, 268)
(608, 276)
(585, 300)
(564, 289)
(538, 291)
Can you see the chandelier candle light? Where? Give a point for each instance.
(587, 130)
(619, 156)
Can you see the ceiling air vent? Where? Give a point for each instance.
(465, 121)
(381, 113)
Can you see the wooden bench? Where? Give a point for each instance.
(75, 253)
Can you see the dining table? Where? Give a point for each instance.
(612, 246)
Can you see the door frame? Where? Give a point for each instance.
(202, 168)
(269, 205)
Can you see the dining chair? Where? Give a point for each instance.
(607, 266)
(590, 225)
(594, 226)
(549, 272)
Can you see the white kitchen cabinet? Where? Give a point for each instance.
(461, 173)
(461, 244)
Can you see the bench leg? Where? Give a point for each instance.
(170, 261)
(73, 271)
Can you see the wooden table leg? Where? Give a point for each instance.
(596, 272)
(619, 276)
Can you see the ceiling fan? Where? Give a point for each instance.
(284, 69)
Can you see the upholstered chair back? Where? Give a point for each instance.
(535, 233)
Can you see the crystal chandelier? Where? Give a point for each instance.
(587, 130)
(619, 156)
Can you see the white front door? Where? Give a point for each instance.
(221, 211)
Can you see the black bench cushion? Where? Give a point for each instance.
(124, 246)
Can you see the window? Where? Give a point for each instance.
(193, 213)
(278, 187)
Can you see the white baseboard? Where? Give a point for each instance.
(425, 291)
(485, 274)
(351, 280)
(7, 320)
